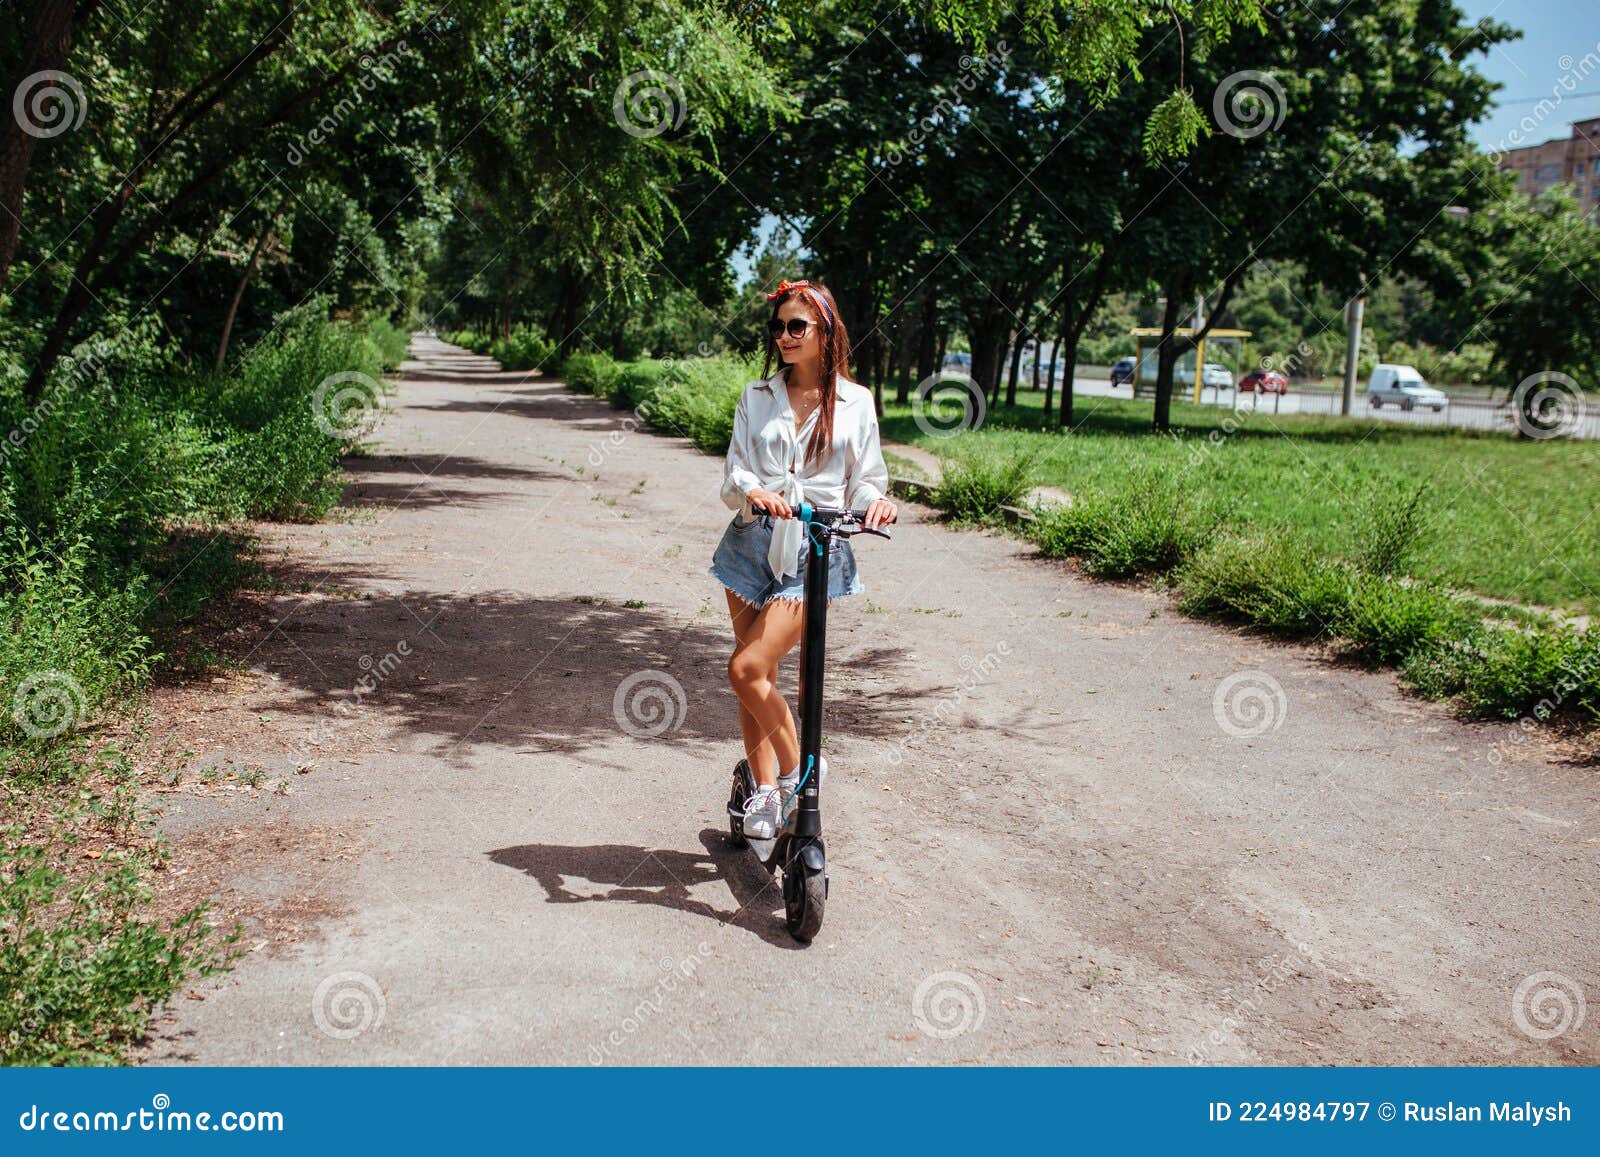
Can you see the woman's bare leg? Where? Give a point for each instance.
(762, 638)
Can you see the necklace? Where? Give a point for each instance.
(808, 402)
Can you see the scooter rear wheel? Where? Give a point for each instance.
(804, 903)
(737, 794)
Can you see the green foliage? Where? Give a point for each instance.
(694, 399)
(82, 963)
(74, 639)
(391, 342)
(1152, 522)
(523, 350)
(1393, 528)
(1506, 672)
(589, 374)
(1270, 581)
(697, 399)
(111, 490)
(1386, 620)
(974, 488)
(1174, 128)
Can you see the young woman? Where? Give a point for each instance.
(805, 432)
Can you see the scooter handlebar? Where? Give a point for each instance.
(839, 521)
(852, 521)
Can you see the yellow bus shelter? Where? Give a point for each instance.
(1226, 345)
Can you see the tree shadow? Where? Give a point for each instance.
(446, 465)
(658, 877)
(504, 670)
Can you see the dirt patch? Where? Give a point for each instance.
(274, 880)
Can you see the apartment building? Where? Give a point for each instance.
(1573, 160)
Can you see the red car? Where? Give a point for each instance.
(1267, 381)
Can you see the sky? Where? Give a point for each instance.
(1559, 50)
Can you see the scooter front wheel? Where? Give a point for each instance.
(805, 901)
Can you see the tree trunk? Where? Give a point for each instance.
(1069, 346)
(49, 37)
(930, 348)
(1168, 351)
(249, 271)
(1050, 378)
(1016, 364)
(1038, 352)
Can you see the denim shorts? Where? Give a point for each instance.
(740, 564)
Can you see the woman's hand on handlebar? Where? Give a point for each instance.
(767, 502)
(880, 512)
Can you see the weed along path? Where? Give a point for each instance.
(466, 797)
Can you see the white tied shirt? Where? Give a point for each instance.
(767, 452)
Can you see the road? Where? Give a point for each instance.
(488, 715)
(1465, 413)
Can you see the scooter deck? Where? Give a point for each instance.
(766, 851)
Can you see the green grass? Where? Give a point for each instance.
(1507, 519)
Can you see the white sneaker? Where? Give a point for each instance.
(761, 814)
(788, 785)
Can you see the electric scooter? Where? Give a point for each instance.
(797, 848)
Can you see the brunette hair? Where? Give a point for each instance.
(835, 354)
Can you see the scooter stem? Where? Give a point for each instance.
(813, 652)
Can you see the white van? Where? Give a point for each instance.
(1402, 386)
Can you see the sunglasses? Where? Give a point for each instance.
(796, 326)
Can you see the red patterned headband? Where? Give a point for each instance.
(787, 286)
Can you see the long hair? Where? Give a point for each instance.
(835, 356)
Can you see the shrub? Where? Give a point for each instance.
(1271, 581)
(1150, 523)
(974, 488)
(589, 374)
(391, 342)
(523, 350)
(1506, 672)
(697, 399)
(1386, 620)
(1390, 532)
